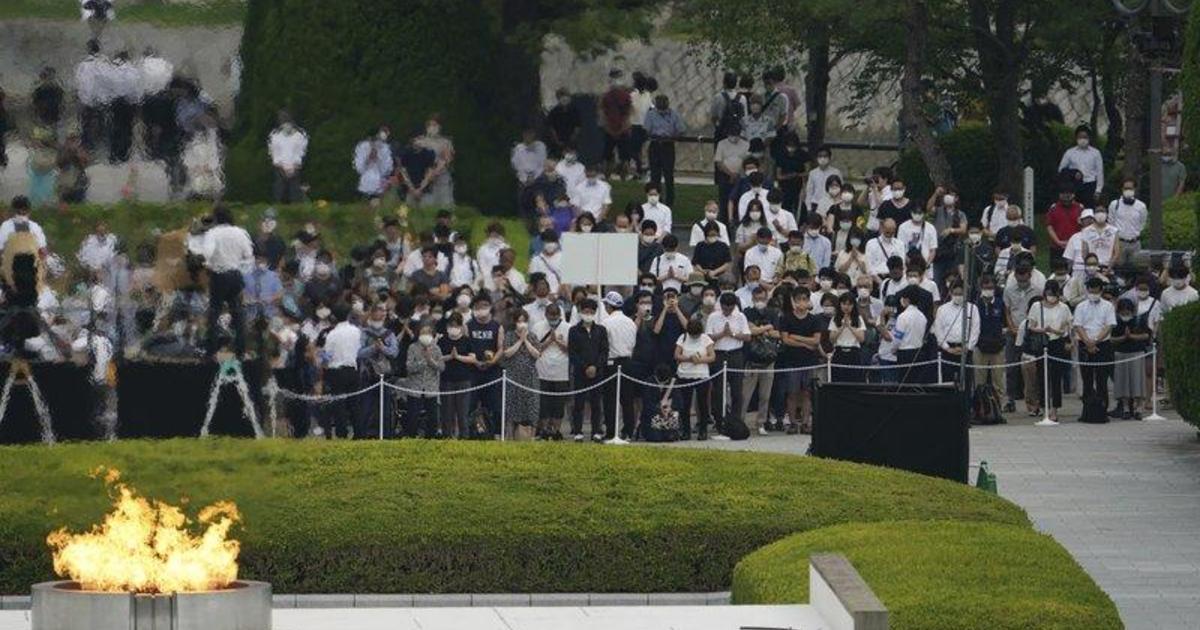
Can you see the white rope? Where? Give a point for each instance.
(320, 399)
(679, 385)
(1082, 363)
(570, 393)
(430, 394)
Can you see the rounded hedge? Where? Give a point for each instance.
(1181, 222)
(1189, 85)
(1180, 343)
(418, 516)
(970, 149)
(935, 575)
(343, 68)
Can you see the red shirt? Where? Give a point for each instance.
(616, 106)
(1064, 219)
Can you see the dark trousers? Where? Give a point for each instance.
(845, 361)
(120, 140)
(727, 404)
(1014, 379)
(1057, 348)
(628, 395)
(488, 399)
(341, 414)
(791, 197)
(618, 146)
(422, 417)
(296, 410)
(1095, 377)
(637, 139)
(286, 189)
(684, 388)
(225, 289)
(592, 397)
(908, 373)
(92, 127)
(661, 155)
(951, 366)
(368, 414)
(724, 190)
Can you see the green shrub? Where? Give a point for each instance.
(346, 67)
(1180, 342)
(970, 149)
(933, 575)
(1181, 225)
(423, 516)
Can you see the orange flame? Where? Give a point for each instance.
(146, 546)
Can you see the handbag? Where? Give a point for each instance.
(664, 425)
(1035, 343)
(762, 350)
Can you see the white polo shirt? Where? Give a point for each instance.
(662, 265)
(922, 237)
(1094, 317)
(738, 325)
(552, 364)
(747, 197)
(622, 334)
(593, 196)
(910, 329)
(660, 214)
(342, 345)
(767, 261)
(879, 250)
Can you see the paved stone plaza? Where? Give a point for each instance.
(1123, 498)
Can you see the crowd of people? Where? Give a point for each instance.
(795, 274)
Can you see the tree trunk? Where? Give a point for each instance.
(1001, 72)
(912, 95)
(816, 87)
(1137, 98)
(1109, 69)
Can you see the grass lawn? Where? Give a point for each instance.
(207, 13)
(420, 516)
(342, 226)
(940, 575)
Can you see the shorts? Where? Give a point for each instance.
(798, 380)
(552, 407)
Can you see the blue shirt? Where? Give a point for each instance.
(991, 318)
(262, 287)
(663, 124)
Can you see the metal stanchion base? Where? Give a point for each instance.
(1046, 422)
(1154, 417)
(617, 440)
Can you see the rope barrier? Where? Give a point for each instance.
(429, 394)
(589, 388)
(323, 398)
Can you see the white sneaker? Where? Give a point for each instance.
(763, 431)
(719, 438)
(578, 437)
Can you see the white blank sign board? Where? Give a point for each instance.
(606, 259)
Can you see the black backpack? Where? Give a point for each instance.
(731, 117)
(985, 405)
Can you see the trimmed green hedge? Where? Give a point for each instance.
(342, 226)
(429, 517)
(346, 67)
(970, 149)
(934, 575)
(1180, 333)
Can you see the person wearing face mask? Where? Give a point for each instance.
(694, 353)
(909, 337)
(790, 164)
(1062, 221)
(1075, 250)
(900, 207)
(1128, 214)
(882, 248)
(20, 221)
(459, 373)
(816, 245)
(616, 121)
(711, 257)
(528, 158)
(594, 195)
(656, 211)
(760, 355)
(995, 216)
(424, 365)
(847, 332)
(435, 281)
(816, 188)
(730, 158)
(832, 196)
(376, 357)
(1093, 323)
(711, 217)
(587, 347)
(1174, 175)
(264, 292)
(1016, 232)
(950, 225)
(756, 188)
(730, 331)
(649, 247)
(572, 172)
(373, 162)
(563, 123)
(671, 268)
(622, 334)
(1131, 339)
(1179, 292)
(549, 261)
(439, 191)
(746, 235)
(781, 222)
(994, 325)
(562, 214)
(764, 255)
(948, 331)
(464, 269)
(1101, 238)
(339, 350)
(286, 146)
(549, 335)
(662, 127)
(487, 337)
(521, 352)
(268, 241)
(918, 235)
(1085, 165)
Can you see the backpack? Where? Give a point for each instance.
(985, 405)
(762, 350)
(731, 116)
(735, 429)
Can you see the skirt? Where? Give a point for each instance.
(1129, 380)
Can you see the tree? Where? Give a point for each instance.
(916, 22)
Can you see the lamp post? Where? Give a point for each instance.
(1157, 46)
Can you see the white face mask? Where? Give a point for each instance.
(380, 263)
(454, 331)
(323, 313)
(1082, 143)
(917, 217)
(829, 311)
(426, 339)
(587, 318)
(823, 161)
(433, 130)
(855, 242)
(863, 292)
(760, 305)
(463, 300)
(845, 225)
(461, 250)
(711, 215)
(987, 294)
(1014, 222)
(376, 324)
(835, 193)
(898, 193)
(1091, 270)
(975, 237)
(709, 300)
(957, 300)
(652, 199)
(755, 216)
(813, 233)
(1129, 194)
(847, 196)
(321, 269)
(1101, 217)
(948, 200)
(550, 248)
(1179, 283)
(914, 280)
(1001, 205)
(587, 227)
(570, 158)
(1143, 294)
(1093, 297)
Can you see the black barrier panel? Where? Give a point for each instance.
(164, 400)
(921, 429)
(70, 396)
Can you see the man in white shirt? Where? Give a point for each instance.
(816, 245)
(20, 222)
(919, 234)
(489, 251)
(1101, 239)
(549, 261)
(656, 211)
(781, 222)
(622, 335)
(671, 268)
(154, 73)
(883, 247)
(909, 336)
(287, 145)
(98, 248)
(373, 162)
(93, 95)
(594, 195)
(757, 192)
(948, 330)
(814, 189)
(340, 374)
(228, 254)
(728, 157)
(995, 216)
(1128, 214)
(572, 172)
(711, 216)
(1179, 293)
(765, 255)
(528, 157)
(1094, 320)
(745, 293)
(1074, 253)
(729, 330)
(1088, 164)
